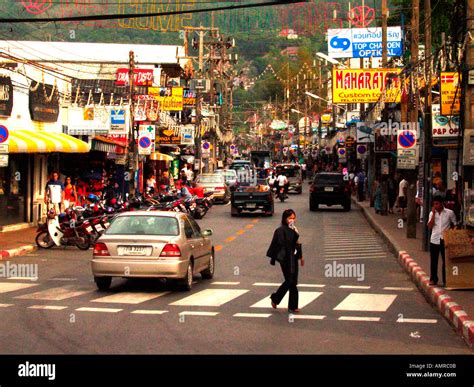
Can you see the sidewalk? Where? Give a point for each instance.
(455, 305)
(16, 243)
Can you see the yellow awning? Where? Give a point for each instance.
(157, 156)
(25, 141)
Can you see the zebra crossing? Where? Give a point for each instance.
(353, 300)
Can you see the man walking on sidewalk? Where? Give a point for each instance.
(440, 220)
(402, 196)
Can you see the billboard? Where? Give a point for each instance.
(363, 42)
(365, 85)
(450, 94)
(443, 126)
(169, 98)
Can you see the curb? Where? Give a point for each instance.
(17, 252)
(450, 310)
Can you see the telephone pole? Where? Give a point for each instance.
(132, 150)
(413, 109)
(427, 138)
(384, 33)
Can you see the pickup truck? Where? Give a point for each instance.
(253, 197)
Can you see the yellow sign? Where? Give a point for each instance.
(365, 85)
(450, 94)
(170, 99)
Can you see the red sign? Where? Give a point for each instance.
(143, 77)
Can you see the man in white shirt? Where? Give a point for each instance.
(440, 220)
(281, 181)
(402, 196)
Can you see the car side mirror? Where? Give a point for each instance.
(206, 233)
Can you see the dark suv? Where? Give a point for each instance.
(329, 188)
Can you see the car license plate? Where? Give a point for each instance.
(98, 228)
(89, 229)
(251, 205)
(134, 250)
(208, 189)
(329, 189)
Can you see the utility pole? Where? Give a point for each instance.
(132, 152)
(384, 33)
(427, 138)
(413, 109)
(198, 151)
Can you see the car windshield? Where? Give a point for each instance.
(144, 225)
(209, 179)
(228, 175)
(328, 179)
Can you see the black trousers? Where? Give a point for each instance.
(291, 280)
(434, 253)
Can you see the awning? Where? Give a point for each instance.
(104, 144)
(25, 141)
(157, 156)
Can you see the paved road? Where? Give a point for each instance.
(376, 310)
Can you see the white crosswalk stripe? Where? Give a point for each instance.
(129, 297)
(210, 297)
(55, 294)
(305, 298)
(367, 302)
(6, 287)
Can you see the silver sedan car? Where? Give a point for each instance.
(153, 244)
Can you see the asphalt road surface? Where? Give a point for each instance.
(372, 309)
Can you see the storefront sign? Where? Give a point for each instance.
(6, 96)
(88, 121)
(443, 126)
(169, 98)
(44, 103)
(118, 121)
(148, 130)
(189, 98)
(326, 118)
(365, 85)
(450, 94)
(187, 135)
(142, 77)
(168, 137)
(406, 163)
(363, 42)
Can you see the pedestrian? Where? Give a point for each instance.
(440, 220)
(378, 196)
(392, 194)
(54, 193)
(281, 182)
(285, 249)
(303, 171)
(402, 196)
(360, 182)
(151, 183)
(70, 193)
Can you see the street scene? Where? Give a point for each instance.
(243, 177)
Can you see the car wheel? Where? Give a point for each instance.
(187, 282)
(103, 283)
(313, 206)
(209, 272)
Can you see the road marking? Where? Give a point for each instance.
(307, 317)
(218, 248)
(417, 320)
(253, 315)
(5, 305)
(230, 239)
(240, 232)
(55, 294)
(249, 226)
(396, 288)
(145, 311)
(104, 310)
(348, 259)
(367, 302)
(129, 297)
(311, 286)
(356, 249)
(266, 284)
(6, 287)
(190, 313)
(224, 283)
(354, 318)
(48, 307)
(62, 279)
(22, 278)
(353, 287)
(210, 297)
(255, 220)
(304, 299)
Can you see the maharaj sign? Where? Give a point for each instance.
(365, 85)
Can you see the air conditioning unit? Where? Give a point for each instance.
(202, 85)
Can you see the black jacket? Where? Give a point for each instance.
(287, 239)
